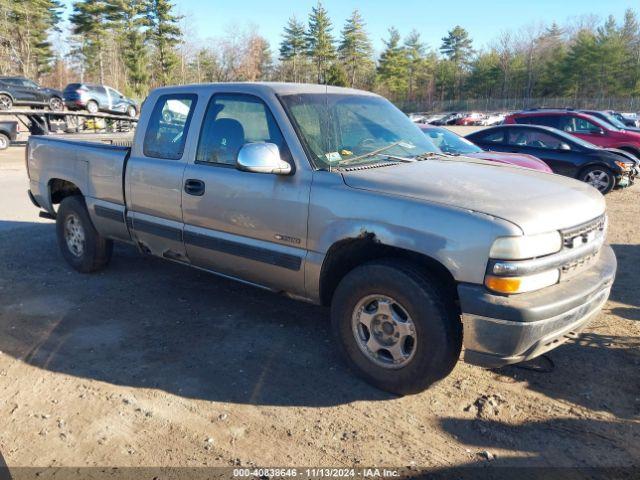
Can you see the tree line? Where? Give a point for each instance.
(136, 45)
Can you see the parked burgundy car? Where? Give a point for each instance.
(451, 143)
(581, 125)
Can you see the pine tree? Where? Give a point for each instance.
(393, 66)
(293, 46)
(355, 49)
(128, 19)
(414, 49)
(25, 27)
(89, 23)
(320, 43)
(457, 47)
(164, 34)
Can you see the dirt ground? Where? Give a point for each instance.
(150, 363)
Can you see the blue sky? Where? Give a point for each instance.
(484, 19)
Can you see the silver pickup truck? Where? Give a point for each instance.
(333, 196)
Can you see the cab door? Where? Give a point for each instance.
(154, 177)
(252, 226)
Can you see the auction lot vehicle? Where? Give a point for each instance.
(581, 125)
(602, 168)
(453, 144)
(22, 91)
(334, 196)
(98, 98)
(8, 133)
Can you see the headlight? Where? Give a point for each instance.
(527, 246)
(624, 166)
(522, 284)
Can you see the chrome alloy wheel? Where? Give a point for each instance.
(598, 179)
(384, 331)
(74, 235)
(5, 102)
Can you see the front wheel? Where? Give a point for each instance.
(395, 327)
(81, 245)
(599, 177)
(4, 141)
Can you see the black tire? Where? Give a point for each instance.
(96, 250)
(438, 330)
(6, 103)
(56, 104)
(4, 141)
(601, 178)
(92, 106)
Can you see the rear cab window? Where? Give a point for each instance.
(168, 126)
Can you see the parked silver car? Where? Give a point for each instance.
(335, 197)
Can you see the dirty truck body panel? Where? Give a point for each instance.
(277, 231)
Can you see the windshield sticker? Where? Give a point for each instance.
(406, 145)
(333, 156)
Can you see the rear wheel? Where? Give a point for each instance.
(81, 245)
(92, 106)
(599, 177)
(395, 328)
(55, 104)
(4, 141)
(5, 102)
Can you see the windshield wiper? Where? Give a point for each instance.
(373, 153)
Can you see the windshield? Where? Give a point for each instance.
(346, 130)
(449, 142)
(613, 121)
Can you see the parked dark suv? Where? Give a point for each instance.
(98, 98)
(22, 91)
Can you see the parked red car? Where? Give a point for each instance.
(586, 127)
(473, 118)
(449, 142)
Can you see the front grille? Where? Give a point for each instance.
(581, 236)
(585, 233)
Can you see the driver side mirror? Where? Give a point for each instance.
(262, 158)
(564, 146)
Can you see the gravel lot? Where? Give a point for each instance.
(150, 363)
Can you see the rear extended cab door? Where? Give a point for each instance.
(153, 178)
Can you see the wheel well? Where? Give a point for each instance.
(348, 254)
(8, 95)
(60, 189)
(632, 150)
(599, 165)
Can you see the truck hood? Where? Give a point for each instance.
(519, 159)
(534, 201)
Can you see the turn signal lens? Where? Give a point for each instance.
(522, 284)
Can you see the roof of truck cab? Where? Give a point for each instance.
(279, 88)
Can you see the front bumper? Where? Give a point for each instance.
(500, 330)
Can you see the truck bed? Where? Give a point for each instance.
(93, 164)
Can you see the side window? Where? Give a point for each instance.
(231, 121)
(492, 137)
(168, 126)
(535, 139)
(585, 126)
